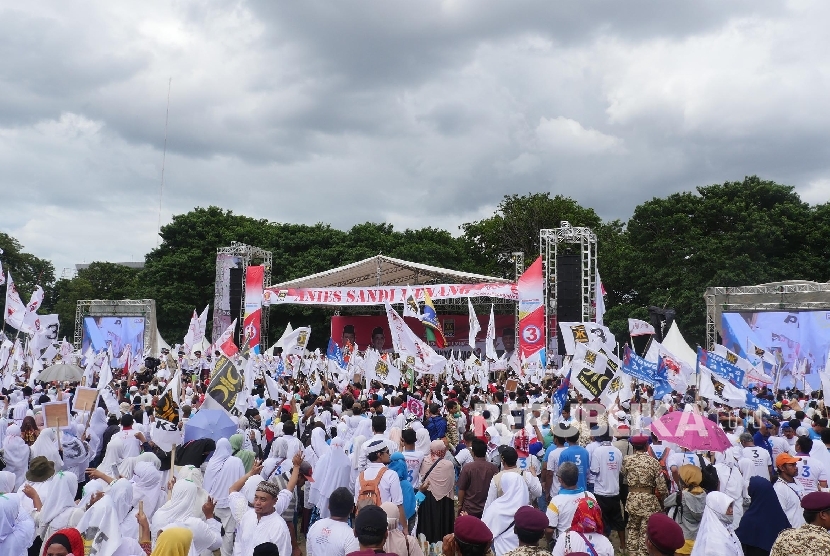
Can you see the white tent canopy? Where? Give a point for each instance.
(381, 270)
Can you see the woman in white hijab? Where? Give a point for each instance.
(7, 481)
(333, 471)
(97, 427)
(178, 508)
(146, 481)
(422, 441)
(499, 515)
(356, 455)
(59, 509)
(17, 530)
(113, 455)
(716, 535)
(194, 475)
(318, 447)
(223, 470)
(493, 442)
(17, 454)
(111, 515)
(47, 445)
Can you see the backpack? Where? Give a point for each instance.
(587, 517)
(369, 494)
(663, 468)
(711, 481)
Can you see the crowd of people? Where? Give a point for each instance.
(359, 471)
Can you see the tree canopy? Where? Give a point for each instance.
(666, 254)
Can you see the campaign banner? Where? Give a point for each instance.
(254, 283)
(358, 296)
(456, 329)
(225, 385)
(531, 310)
(637, 367)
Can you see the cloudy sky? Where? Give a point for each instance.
(417, 113)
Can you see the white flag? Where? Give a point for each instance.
(376, 368)
(475, 326)
(718, 390)
(2, 275)
(202, 326)
(296, 342)
(105, 375)
(490, 340)
(416, 352)
(599, 300)
(764, 354)
(15, 310)
(637, 327)
(45, 331)
(410, 304)
(574, 333)
(192, 333)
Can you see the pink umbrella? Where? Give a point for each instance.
(692, 431)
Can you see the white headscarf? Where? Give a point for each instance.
(178, 508)
(222, 471)
(110, 515)
(715, 534)
(16, 454)
(422, 441)
(61, 497)
(47, 445)
(147, 487)
(318, 447)
(333, 471)
(127, 467)
(499, 515)
(7, 480)
(97, 427)
(114, 454)
(17, 531)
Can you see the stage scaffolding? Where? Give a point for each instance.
(795, 295)
(246, 254)
(551, 242)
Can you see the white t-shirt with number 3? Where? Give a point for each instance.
(761, 461)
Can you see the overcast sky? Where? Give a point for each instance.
(413, 112)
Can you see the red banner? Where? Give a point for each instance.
(254, 283)
(456, 329)
(531, 310)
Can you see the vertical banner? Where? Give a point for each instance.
(254, 284)
(531, 310)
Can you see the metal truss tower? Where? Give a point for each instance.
(554, 242)
(246, 253)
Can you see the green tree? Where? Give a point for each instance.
(734, 234)
(515, 227)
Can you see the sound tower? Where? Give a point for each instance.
(235, 301)
(568, 292)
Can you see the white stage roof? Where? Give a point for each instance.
(387, 271)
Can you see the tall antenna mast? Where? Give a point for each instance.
(163, 160)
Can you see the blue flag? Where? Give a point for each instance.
(637, 367)
(754, 402)
(280, 368)
(334, 353)
(720, 366)
(661, 380)
(560, 397)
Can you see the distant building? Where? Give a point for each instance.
(131, 264)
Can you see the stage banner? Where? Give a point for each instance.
(531, 310)
(254, 282)
(456, 330)
(384, 294)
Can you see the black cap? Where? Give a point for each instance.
(370, 522)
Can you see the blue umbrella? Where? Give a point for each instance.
(209, 423)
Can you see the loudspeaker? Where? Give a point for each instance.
(568, 292)
(235, 300)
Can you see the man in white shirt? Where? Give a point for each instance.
(812, 475)
(553, 465)
(605, 469)
(377, 456)
(780, 445)
(264, 522)
(760, 458)
(332, 536)
(562, 507)
(292, 443)
(789, 492)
